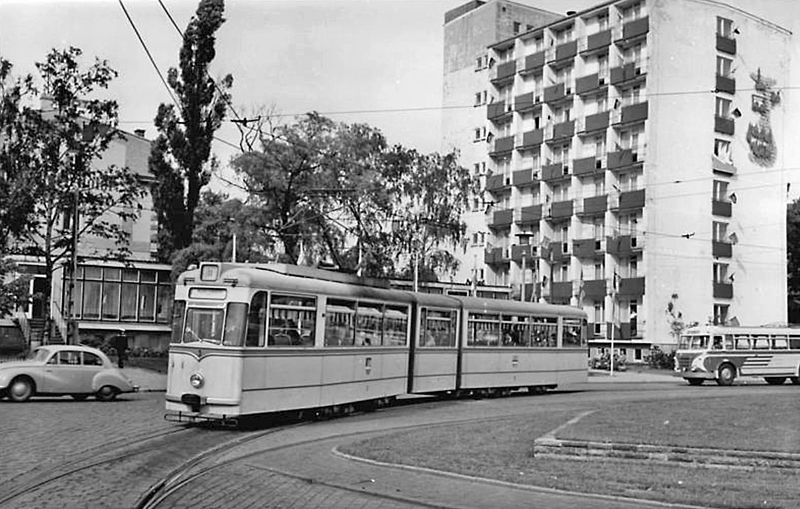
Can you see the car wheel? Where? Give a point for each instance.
(695, 381)
(106, 393)
(21, 389)
(79, 397)
(726, 375)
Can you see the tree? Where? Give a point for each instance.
(181, 158)
(61, 146)
(793, 259)
(337, 192)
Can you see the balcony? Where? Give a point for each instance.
(721, 208)
(555, 92)
(625, 331)
(726, 45)
(495, 182)
(721, 249)
(594, 289)
(586, 166)
(595, 122)
(632, 113)
(559, 251)
(502, 146)
(498, 111)
(531, 139)
(587, 248)
(590, 83)
(723, 125)
(622, 159)
(505, 72)
(633, 29)
(555, 171)
(526, 251)
(594, 205)
(523, 178)
(561, 131)
(631, 286)
(621, 245)
(560, 210)
(718, 165)
(533, 62)
(494, 255)
(564, 51)
(530, 215)
(597, 41)
(726, 84)
(561, 290)
(625, 72)
(525, 102)
(502, 219)
(723, 290)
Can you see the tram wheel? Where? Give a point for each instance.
(726, 375)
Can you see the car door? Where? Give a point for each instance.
(64, 377)
(91, 366)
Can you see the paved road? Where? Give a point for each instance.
(62, 454)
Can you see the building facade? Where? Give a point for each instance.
(634, 160)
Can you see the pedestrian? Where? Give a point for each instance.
(120, 344)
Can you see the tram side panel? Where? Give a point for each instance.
(278, 380)
(359, 374)
(435, 370)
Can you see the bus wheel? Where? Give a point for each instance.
(795, 380)
(726, 375)
(775, 380)
(695, 381)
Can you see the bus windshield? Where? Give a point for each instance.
(693, 342)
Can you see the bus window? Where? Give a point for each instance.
(728, 342)
(292, 320)
(717, 343)
(780, 343)
(761, 342)
(178, 309)
(339, 326)
(544, 333)
(742, 342)
(395, 326)
(257, 320)
(439, 328)
(484, 330)
(235, 324)
(572, 333)
(369, 324)
(203, 324)
(794, 342)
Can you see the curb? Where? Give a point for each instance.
(691, 456)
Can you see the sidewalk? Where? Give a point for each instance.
(147, 380)
(632, 375)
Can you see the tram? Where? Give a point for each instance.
(252, 339)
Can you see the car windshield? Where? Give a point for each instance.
(39, 355)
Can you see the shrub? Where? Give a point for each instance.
(659, 359)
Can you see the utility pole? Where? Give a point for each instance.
(72, 323)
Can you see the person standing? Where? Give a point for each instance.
(120, 344)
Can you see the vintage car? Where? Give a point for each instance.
(59, 370)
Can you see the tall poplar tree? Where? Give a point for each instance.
(181, 159)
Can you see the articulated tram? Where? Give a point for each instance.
(250, 339)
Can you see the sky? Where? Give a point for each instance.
(291, 56)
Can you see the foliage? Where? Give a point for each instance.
(13, 289)
(793, 248)
(335, 192)
(660, 359)
(58, 150)
(181, 158)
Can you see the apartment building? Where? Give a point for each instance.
(632, 160)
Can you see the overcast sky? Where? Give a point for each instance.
(294, 55)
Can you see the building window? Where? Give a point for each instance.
(720, 191)
(724, 27)
(517, 27)
(723, 107)
(720, 314)
(599, 272)
(720, 272)
(632, 317)
(724, 66)
(598, 318)
(632, 12)
(720, 231)
(722, 149)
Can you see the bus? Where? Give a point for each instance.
(725, 353)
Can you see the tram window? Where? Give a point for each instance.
(572, 333)
(439, 328)
(339, 326)
(742, 342)
(369, 324)
(395, 326)
(513, 330)
(257, 320)
(780, 343)
(235, 324)
(203, 324)
(544, 333)
(178, 310)
(761, 343)
(292, 320)
(484, 330)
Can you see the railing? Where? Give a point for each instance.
(59, 321)
(24, 326)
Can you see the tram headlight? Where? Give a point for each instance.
(196, 380)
